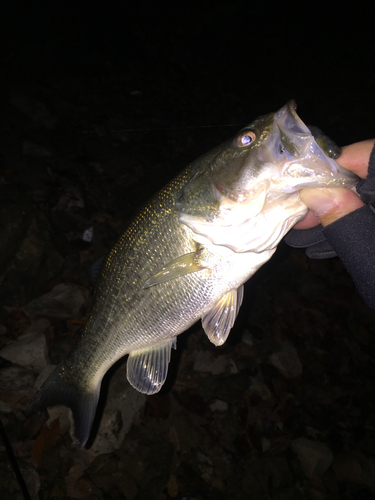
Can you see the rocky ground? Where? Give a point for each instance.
(285, 409)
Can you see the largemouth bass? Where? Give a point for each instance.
(186, 255)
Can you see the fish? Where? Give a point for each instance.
(187, 254)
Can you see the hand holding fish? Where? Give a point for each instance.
(348, 220)
(326, 205)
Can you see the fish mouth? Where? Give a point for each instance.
(294, 135)
(305, 164)
(287, 119)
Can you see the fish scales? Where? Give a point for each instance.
(186, 255)
(139, 253)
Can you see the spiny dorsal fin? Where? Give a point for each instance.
(147, 369)
(219, 321)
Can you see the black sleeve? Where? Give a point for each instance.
(352, 238)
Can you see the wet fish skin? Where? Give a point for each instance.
(186, 255)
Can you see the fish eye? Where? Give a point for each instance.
(245, 138)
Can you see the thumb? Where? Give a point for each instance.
(330, 204)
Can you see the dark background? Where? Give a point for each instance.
(187, 75)
(122, 96)
(209, 61)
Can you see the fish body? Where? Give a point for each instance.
(186, 255)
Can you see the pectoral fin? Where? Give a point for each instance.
(219, 321)
(185, 264)
(147, 370)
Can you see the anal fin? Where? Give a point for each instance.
(147, 369)
(219, 321)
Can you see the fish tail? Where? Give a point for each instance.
(59, 389)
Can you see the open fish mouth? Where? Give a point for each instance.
(305, 163)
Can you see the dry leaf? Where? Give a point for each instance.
(47, 438)
(172, 486)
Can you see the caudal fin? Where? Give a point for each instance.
(59, 390)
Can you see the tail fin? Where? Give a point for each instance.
(59, 390)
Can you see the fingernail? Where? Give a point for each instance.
(318, 200)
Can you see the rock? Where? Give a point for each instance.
(287, 360)
(315, 457)
(207, 362)
(31, 478)
(31, 251)
(60, 349)
(16, 377)
(347, 466)
(219, 405)
(36, 110)
(369, 474)
(63, 301)
(31, 149)
(5, 407)
(10, 487)
(29, 350)
(355, 467)
(259, 388)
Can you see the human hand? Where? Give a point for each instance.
(329, 204)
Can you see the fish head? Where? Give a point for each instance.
(248, 189)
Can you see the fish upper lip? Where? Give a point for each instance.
(287, 119)
(292, 104)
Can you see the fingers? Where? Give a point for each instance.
(309, 221)
(356, 156)
(330, 204)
